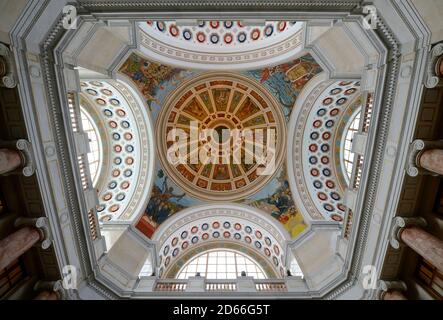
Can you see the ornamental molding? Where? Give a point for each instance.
(144, 179)
(8, 77)
(86, 257)
(185, 220)
(155, 48)
(143, 172)
(399, 224)
(415, 150)
(42, 224)
(241, 5)
(243, 212)
(170, 106)
(295, 151)
(305, 119)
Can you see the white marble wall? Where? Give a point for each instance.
(10, 11)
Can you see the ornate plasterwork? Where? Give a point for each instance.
(313, 161)
(318, 148)
(8, 73)
(234, 220)
(55, 32)
(230, 210)
(144, 177)
(124, 178)
(295, 168)
(270, 54)
(219, 231)
(338, 5)
(217, 100)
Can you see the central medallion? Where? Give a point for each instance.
(221, 137)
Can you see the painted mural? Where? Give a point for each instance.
(276, 199)
(150, 76)
(164, 202)
(284, 81)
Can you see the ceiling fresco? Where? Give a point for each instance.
(283, 83)
(222, 102)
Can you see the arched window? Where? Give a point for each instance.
(347, 155)
(94, 156)
(221, 264)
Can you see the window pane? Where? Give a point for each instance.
(94, 156)
(346, 154)
(212, 260)
(221, 264)
(221, 267)
(230, 268)
(212, 268)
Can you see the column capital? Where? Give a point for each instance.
(433, 76)
(399, 223)
(7, 77)
(386, 285)
(23, 147)
(52, 286)
(29, 165)
(395, 285)
(416, 149)
(42, 224)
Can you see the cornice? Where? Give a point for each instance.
(237, 5)
(50, 74)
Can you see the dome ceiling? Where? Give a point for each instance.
(222, 103)
(258, 98)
